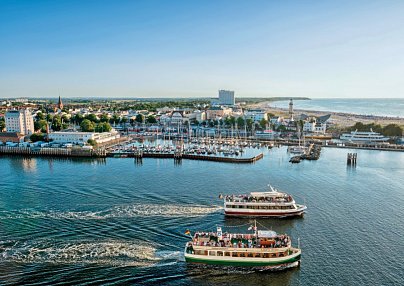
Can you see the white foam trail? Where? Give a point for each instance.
(134, 253)
(128, 211)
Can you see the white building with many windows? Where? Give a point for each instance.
(20, 121)
(226, 97)
(256, 115)
(82, 137)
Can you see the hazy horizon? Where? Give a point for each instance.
(177, 49)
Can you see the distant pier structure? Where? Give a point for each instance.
(351, 159)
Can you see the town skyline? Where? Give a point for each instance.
(158, 49)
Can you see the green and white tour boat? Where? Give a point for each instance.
(262, 249)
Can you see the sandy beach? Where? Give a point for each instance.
(337, 118)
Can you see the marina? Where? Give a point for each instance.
(137, 224)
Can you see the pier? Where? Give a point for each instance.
(178, 156)
(351, 159)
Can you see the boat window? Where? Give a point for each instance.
(227, 254)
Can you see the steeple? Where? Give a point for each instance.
(60, 103)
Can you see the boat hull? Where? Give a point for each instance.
(245, 262)
(259, 213)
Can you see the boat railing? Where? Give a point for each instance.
(241, 249)
(260, 201)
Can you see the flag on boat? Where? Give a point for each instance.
(188, 232)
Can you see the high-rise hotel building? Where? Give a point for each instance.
(20, 121)
(226, 97)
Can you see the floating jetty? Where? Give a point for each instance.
(179, 156)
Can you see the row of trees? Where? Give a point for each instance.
(2, 124)
(90, 126)
(115, 119)
(391, 130)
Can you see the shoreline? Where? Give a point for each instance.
(338, 118)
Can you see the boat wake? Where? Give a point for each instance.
(116, 253)
(127, 211)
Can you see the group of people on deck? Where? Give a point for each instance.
(251, 199)
(239, 240)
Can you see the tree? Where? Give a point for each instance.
(249, 122)
(65, 118)
(40, 116)
(115, 119)
(56, 123)
(281, 128)
(232, 120)
(151, 119)
(87, 126)
(263, 123)
(124, 120)
(104, 118)
(392, 130)
(139, 118)
(92, 117)
(2, 124)
(37, 137)
(240, 121)
(103, 127)
(40, 125)
(49, 117)
(78, 118)
(92, 142)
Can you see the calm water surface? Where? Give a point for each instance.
(116, 222)
(393, 107)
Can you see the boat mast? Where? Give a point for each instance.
(255, 228)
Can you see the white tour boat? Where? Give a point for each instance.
(363, 137)
(259, 249)
(272, 203)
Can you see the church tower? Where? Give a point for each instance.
(60, 103)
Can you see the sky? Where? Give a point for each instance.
(150, 48)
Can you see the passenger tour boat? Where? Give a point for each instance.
(272, 203)
(259, 249)
(364, 137)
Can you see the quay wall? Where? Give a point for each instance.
(55, 152)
